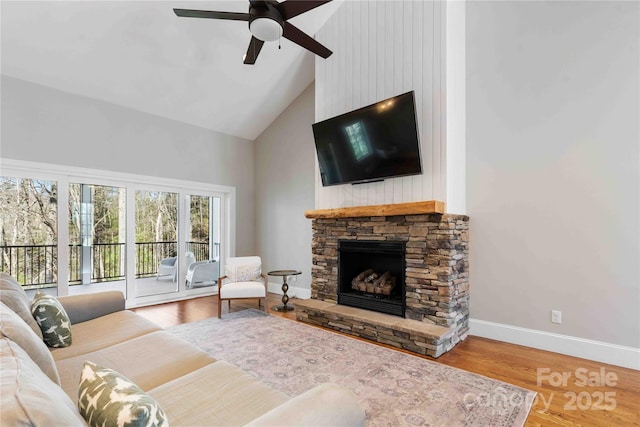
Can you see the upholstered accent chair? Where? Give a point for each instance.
(243, 279)
(169, 266)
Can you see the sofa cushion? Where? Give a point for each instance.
(14, 296)
(311, 409)
(107, 398)
(28, 396)
(13, 327)
(148, 360)
(103, 332)
(52, 319)
(83, 307)
(219, 394)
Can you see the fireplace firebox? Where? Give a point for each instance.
(371, 275)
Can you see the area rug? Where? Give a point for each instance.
(395, 389)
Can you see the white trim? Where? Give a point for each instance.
(27, 169)
(130, 252)
(455, 110)
(149, 301)
(62, 242)
(627, 357)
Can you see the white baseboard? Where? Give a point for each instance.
(627, 357)
(149, 301)
(302, 293)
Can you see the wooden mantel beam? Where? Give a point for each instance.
(413, 208)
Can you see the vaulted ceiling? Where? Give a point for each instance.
(139, 55)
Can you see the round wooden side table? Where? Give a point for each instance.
(285, 288)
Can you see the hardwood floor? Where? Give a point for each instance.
(571, 391)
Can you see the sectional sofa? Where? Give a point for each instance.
(39, 385)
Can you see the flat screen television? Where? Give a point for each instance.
(369, 144)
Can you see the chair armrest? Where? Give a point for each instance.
(81, 308)
(220, 279)
(325, 405)
(169, 261)
(194, 265)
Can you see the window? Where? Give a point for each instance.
(358, 140)
(113, 232)
(156, 242)
(28, 231)
(97, 233)
(203, 240)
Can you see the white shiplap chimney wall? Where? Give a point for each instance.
(382, 49)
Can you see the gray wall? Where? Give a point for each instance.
(552, 166)
(284, 186)
(41, 124)
(552, 155)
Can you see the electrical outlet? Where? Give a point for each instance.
(556, 316)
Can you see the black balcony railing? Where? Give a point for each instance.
(35, 266)
(201, 250)
(75, 264)
(149, 255)
(107, 262)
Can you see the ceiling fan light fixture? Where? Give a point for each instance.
(268, 21)
(265, 29)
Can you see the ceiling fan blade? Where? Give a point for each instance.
(296, 35)
(290, 8)
(210, 14)
(252, 52)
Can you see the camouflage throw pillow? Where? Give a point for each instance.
(52, 319)
(107, 398)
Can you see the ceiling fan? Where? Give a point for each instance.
(268, 21)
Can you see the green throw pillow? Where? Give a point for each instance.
(52, 319)
(107, 398)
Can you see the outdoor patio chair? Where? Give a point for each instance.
(169, 266)
(243, 279)
(203, 273)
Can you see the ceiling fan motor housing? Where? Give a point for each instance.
(265, 23)
(268, 21)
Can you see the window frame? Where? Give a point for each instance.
(64, 175)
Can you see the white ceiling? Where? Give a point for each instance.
(138, 54)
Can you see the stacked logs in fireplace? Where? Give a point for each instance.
(371, 282)
(371, 275)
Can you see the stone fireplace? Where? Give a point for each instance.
(434, 282)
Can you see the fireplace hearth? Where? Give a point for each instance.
(371, 275)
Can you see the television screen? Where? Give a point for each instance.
(369, 144)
